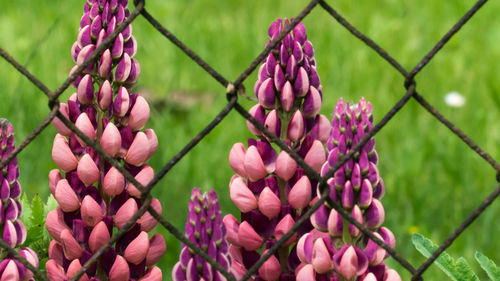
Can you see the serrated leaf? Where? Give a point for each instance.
(26, 211)
(50, 205)
(464, 270)
(37, 216)
(489, 266)
(457, 271)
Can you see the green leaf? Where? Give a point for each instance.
(26, 213)
(489, 266)
(456, 270)
(36, 221)
(50, 205)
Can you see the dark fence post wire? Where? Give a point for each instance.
(232, 90)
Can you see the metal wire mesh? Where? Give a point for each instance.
(233, 89)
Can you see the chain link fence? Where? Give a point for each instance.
(233, 91)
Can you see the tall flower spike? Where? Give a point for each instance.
(358, 188)
(12, 230)
(95, 200)
(269, 188)
(205, 229)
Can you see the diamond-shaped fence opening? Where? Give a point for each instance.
(234, 90)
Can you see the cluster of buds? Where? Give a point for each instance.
(94, 197)
(269, 188)
(205, 229)
(12, 228)
(357, 187)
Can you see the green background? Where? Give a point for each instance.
(433, 180)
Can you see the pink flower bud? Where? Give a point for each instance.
(120, 270)
(135, 71)
(248, 238)
(83, 124)
(111, 140)
(56, 252)
(55, 272)
(139, 114)
(271, 269)
(312, 103)
(153, 141)
(296, 127)
(125, 212)
(98, 237)
(9, 234)
(273, 123)
(75, 50)
(306, 273)
(369, 277)
(316, 156)
(391, 275)
(305, 248)
(232, 227)
(388, 236)
(375, 214)
(365, 194)
(279, 77)
(113, 182)
(55, 224)
(73, 268)
(84, 37)
(285, 166)
(153, 274)
(130, 46)
(321, 259)
(358, 216)
(143, 177)
(301, 85)
(300, 194)
(374, 252)
(87, 170)
(266, 94)
(10, 273)
(254, 165)
(138, 152)
(335, 224)
(54, 178)
(147, 221)
(350, 261)
(122, 70)
(105, 64)
(137, 250)
(157, 248)
(66, 196)
(322, 128)
(30, 256)
(71, 248)
(91, 211)
(117, 49)
(241, 195)
(257, 112)
(105, 95)
(269, 203)
(58, 124)
(122, 102)
(62, 154)
(85, 90)
(287, 97)
(237, 158)
(283, 226)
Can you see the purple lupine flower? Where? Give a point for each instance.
(358, 188)
(204, 228)
(94, 197)
(269, 188)
(12, 230)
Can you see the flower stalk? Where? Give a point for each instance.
(12, 229)
(94, 197)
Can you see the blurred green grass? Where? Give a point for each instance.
(433, 180)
